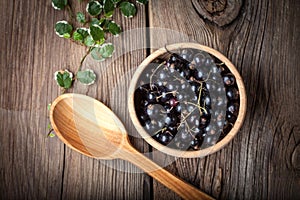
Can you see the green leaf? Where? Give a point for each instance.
(94, 21)
(103, 22)
(142, 1)
(87, 77)
(49, 127)
(128, 9)
(109, 8)
(80, 34)
(100, 42)
(107, 50)
(114, 28)
(59, 4)
(115, 1)
(51, 134)
(102, 52)
(96, 32)
(80, 17)
(96, 55)
(49, 106)
(67, 35)
(83, 31)
(88, 41)
(94, 8)
(64, 79)
(63, 29)
(77, 36)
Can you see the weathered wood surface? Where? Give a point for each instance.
(262, 162)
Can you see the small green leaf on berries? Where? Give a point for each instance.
(59, 4)
(142, 1)
(63, 29)
(96, 32)
(86, 77)
(102, 52)
(114, 28)
(128, 9)
(94, 8)
(63, 78)
(80, 17)
(109, 8)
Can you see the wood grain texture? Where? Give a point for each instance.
(262, 44)
(262, 161)
(30, 164)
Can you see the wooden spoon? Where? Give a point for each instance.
(89, 127)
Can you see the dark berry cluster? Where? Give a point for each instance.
(187, 100)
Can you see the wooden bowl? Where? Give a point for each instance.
(193, 153)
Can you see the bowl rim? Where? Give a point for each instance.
(174, 152)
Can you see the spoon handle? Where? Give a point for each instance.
(183, 189)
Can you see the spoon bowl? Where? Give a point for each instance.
(85, 130)
(89, 127)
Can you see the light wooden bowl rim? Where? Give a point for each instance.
(179, 153)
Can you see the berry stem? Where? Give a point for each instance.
(198, 106)
(161, 64)
(185, 117)
(172, 92)
(199, 96)
(189, 129)
(160, 130)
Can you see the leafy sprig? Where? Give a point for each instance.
(94, 27)
(98, 23)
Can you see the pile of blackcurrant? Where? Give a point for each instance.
(187, 100)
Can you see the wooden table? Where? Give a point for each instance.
(261, 38)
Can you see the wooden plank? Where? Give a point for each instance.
(262, 43)
(31, 164)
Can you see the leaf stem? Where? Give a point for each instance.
(63, 90)
(76, 42)
(50, 131)
(83, 58)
